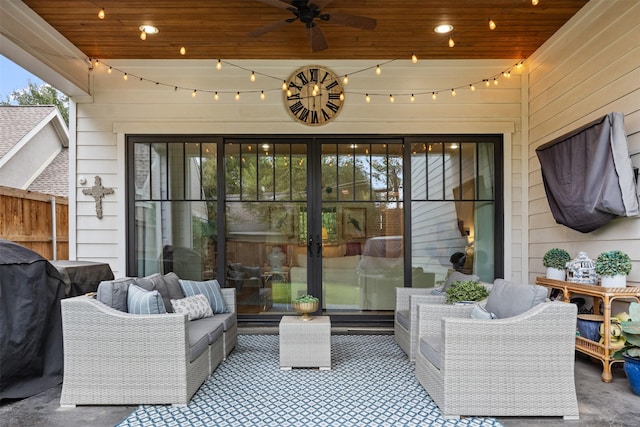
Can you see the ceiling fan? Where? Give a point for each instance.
(309, 12)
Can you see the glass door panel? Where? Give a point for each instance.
(362, 255)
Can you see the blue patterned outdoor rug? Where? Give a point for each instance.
(371, 383)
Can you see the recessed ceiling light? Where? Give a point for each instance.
(443, 29)
(149, 29)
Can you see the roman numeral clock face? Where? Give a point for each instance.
(313, 95)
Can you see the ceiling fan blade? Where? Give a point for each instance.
(270, 27)
(321, 3)
(317, 39)
(279, 4)
(355, 21)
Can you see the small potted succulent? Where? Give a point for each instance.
(466, 292)
(631, 350)
(613, 268)
(556, 260)
(304, 305)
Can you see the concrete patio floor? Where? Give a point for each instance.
(601, 404)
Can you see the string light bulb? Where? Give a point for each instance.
(486, 82)
(378, 70)
(413, 98)
(143, 35)
(367, 98)
(453, 92)
(193, 94)
(414, 58)
(262, 95)
(216, 96)
(341, 96)
(219, 65)
(237, 96)
(253, 76)
(392, 99)
(492, 25)
(101, 14)
(534, 2)
(125, 76)
(316, 88)
(288, 92)
(284, 85)
(472, 87)
(183, 50)
(434, 96)
(110, 70)
(345, 80)
(495, 81)
(451, 42)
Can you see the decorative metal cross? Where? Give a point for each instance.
(98, 192)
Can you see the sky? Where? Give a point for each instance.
(13, 77)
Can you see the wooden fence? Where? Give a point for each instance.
(27, 219)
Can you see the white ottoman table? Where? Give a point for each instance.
(305, 344)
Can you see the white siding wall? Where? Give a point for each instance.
(589, 68)
(123, 107)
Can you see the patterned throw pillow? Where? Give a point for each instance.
(195, 307)
(210, 289)
(140, 301)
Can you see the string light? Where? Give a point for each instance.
(183, 50)
(492, 25)
(453, 92)
(237, 96)
(414, 58)
(284, 85)
(392, 99)
(110, 70)
(125, 76)
(193, 94)
(101, 14)
(486, 82)
(262, 95)
(495, 81)
(451, 42)
(253, 76)
(534, 2)
(413, 98)
(345, 80)
(378, 70)
(143, 35)
(434, 96)
(288, 92)
(472, 87)
(216, 96)
(367, 98)
(219, 65)
(341, 96)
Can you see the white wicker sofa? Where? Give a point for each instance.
(112, 357)
(518, 364)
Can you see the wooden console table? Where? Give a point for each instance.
(601, 352)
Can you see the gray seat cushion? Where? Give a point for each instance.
(198, 341)
(209, 326)
(228, 320)
(430, 348)
(403, 318)
(509, 299)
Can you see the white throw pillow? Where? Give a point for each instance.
(480, 313)
(195, 307)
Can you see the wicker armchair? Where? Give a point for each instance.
(515, 366)
(405, 325)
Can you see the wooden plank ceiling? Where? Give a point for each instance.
(210, 29)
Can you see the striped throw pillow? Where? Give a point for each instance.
(140, 301)
(210, 289)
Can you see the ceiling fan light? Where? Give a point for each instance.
(443, 28)
(149, 29)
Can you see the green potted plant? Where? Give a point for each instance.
(613, 267)
(304, 305)
(466, 291)
(556, 260)
(631, 350)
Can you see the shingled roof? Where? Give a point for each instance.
(19, 124)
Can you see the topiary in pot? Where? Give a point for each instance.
(466, 291)
(556, 260)
(613, 268)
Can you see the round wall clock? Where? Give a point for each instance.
(313, 95)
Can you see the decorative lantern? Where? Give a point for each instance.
(582, 270)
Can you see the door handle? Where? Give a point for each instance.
(309, 244)
(319, 244)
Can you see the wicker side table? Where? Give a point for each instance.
(305, 344)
